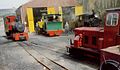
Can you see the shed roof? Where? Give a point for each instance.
(113, 9)
(50, 3)
(98, 29)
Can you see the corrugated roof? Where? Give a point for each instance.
(100, 29)
(49, 3)
(113, 9)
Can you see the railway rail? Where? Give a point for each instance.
(46, 62)
(48, 46)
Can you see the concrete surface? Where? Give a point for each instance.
(14, 57)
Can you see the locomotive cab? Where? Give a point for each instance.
(8, 27)
(112, 28)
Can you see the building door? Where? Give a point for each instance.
(30, 20)
(38, 13)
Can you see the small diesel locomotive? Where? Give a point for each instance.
(90, 41)
(14, 29)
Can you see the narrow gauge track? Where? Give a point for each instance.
(48, 46)
(46, 62)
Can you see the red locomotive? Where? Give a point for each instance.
(89, 41)
(14, 29)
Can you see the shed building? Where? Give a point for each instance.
(30, 11)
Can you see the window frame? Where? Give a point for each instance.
(112, 19)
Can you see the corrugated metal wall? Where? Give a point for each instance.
(98, 5)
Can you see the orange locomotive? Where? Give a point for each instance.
(14, 29)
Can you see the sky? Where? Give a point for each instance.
(6, 4)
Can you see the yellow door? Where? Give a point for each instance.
(78, 10)
(30, 19)
(61, 17)
(51, 10)
(60, 10)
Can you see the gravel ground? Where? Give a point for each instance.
(14, 57)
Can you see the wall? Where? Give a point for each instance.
(98, 5)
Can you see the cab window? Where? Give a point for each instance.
(112, 19)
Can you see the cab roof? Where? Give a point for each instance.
(113, 9)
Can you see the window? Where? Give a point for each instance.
(112, 19)
(85, 39)
(94, 40)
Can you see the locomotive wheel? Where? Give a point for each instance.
(110, 65)
(8, 33)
